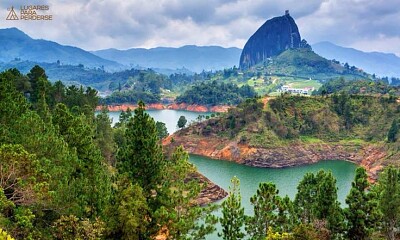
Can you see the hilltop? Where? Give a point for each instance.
(382, 64)
(16, 45)
(272, 38)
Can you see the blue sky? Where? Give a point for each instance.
(369, 25)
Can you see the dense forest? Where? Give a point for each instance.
(364, 86)
(215, 93)
(67, 174)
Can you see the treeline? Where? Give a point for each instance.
(366, 87)
(142, 85)
(215, 93)
(131, 96)
(147, 85)
(67, 174)
(372, 212)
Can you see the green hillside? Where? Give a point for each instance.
(297, 68)
(362, 86)
(304, 63)
(287, 119)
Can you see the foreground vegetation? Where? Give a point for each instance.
(372, 212)
(66, 174)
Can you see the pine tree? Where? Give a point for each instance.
(128, 217)
(36, 75)
(305, 198)
(141, 158)
(266, 207)
(12, 105)
(316, 199)
(179, 212)
(361, 214)
(105, 136)
(94, 183)
(124, 117)
(389, 200)
(327, 206)
(233, 217)
(287, 218)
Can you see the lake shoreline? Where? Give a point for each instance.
(172, 106)
(369, 156)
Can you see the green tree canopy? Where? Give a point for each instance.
(181, 122)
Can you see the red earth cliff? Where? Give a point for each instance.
(369, 156)
(173, 106)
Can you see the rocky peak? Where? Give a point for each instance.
(272, 38)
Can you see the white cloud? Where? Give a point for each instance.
(97, 24)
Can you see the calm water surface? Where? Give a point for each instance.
(169, 117)
(286, 179)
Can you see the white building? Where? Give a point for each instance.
(303, 91)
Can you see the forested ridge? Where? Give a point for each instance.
(215, 93)
(67, 174)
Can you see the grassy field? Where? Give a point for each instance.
(305, 83)
(271, 84)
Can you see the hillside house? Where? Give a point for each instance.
(301, 91)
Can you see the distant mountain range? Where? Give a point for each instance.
(17, 49)
(382, 64)
(193, 58)
(16, 45)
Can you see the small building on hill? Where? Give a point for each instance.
(301, 91)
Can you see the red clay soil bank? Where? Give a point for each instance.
(174, 106)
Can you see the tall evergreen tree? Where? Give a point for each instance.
(233, 217)
(316, 199)
(305, 198)
(36, 75)
(361, 214)
(389, 200)
(12, 105)
(95, 185)
(142, 158)
(105, 136)
(128, 216)
(266, 208)
(179, 212)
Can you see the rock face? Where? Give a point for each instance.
(210, 193)
(371, 157)
(272, 38)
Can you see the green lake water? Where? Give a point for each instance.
(169, 117)
(286, 179)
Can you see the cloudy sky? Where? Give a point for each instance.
(370, 25)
